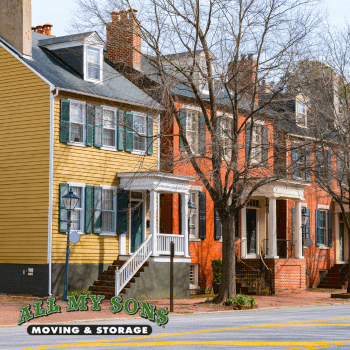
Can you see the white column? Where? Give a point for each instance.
(272, 228)
(122, 244)
(298, 231)
(184, 228)
(337, 238)
(243, 232)
(153, 221)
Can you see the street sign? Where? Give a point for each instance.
(308, 242)
(74, 237)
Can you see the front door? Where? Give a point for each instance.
(136, 225)
(341, 241)
(251, 231)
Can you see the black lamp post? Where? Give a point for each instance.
(70, 200)
(191, 211)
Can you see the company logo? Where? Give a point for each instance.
(130, 306)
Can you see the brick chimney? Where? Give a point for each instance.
(15, 24)
(245, 75)
(123, 39)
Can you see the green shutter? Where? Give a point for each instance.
(330, 228)
(89, 124)
(202, 135)
(295, 157)
(183, 122)
(202, 215)
(97, 210)
(308, 223)
(65, 121)
(122, 212)
(317, 240)
(247, 140)
(265, 145)
(307, 164)
(129, 133)
(88, 209)
(121, 130)
(64, 189)
(293, 222)
(98, 139)
(236, 226)
(150, 135)
(218, 226)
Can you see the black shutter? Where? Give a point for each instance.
(88, 209)
(247, 140)
(307, 164)
(330, 172)
(265, 145)
(236, 226)
(202, 215)
(150, 135)
(202, 134)
(122, 212)
(317, 240)
(293, 222)
(295, 157)
(65, 121)
(308, 224)
(183, 122)
(218, 227)
(330, 228)
(64, 189)
(89, 124)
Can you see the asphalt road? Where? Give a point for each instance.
(326, 327)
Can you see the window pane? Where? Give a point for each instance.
(93, 71)
(108, 211)
(76, 213)
(76, 134)
(107, 200)
(140, 129)
(109, 137)
(93, 55)
(77, 113)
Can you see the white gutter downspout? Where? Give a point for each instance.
(52, 124)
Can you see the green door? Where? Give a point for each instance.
(136, 225)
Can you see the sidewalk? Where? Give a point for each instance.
(10, 306)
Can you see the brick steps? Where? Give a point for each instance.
(331, 280)
(105, 285)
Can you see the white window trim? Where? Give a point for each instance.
(196, 224)
(139, 152)
(195, 284)
(115, 110)
(73, 143)
(323, 206)
(82, 218)
(99, 47)
(113, 188)
(297, 113)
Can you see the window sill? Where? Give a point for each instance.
(139, 153)
(302, 126)
(79, 144)
(323, 247)
(194, 286)
(108, 234)
(194, 239)
(106, 148)
(79, 232)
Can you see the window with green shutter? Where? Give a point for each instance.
(122, 212)
(121, 130)
(97, 224)
(150, 135)
(330, 228)
(202, 215)
(63, 217)
(88, 209)
(129, 133)
(65, 121)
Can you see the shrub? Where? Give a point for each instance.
(242, 299)
(77, 293)
(216, 270)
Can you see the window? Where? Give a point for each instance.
(323, 227)
(140, 130)
(108, 211)
(93, 63)
(192, 130)
(226, 135)
(78, 212)
(257, 143)
(109, 127)
(205, 85)
(194, 278)
(301, 113)
(301, 162)
(77, 122)
(193, 222)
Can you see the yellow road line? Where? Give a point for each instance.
(116, 342)
(331, 344)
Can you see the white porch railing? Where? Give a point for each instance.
(164, 241)
(132, 265)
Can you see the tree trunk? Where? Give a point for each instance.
(348, 288)
(228, 272)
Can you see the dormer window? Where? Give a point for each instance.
(93, 58)
(301, 114)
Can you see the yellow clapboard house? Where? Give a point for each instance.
(69, 121)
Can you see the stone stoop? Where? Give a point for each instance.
(105, 285)
(331, 280)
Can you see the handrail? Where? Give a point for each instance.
(341, 279)
(132, 265)
(164, 240)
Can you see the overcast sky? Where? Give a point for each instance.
(58, 13)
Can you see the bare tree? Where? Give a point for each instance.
(217, 54)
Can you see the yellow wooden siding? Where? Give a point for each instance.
(24, 163)
(91, 166)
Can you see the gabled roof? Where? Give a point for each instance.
(115, 86)
(64, 39)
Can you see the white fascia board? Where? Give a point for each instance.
(19, 56)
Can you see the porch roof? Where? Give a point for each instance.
(155, 181)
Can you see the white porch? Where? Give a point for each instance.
(271, 193)
(156, 183)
